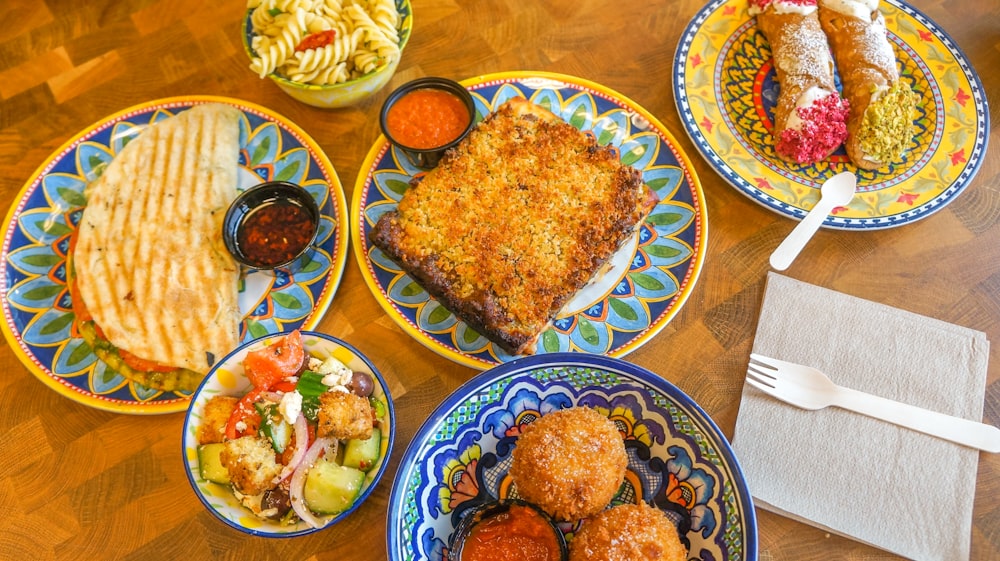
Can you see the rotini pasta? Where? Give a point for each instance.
(273, 51)
(323, 41)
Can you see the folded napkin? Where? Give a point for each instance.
(884, 485)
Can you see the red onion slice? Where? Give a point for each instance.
(301, 439)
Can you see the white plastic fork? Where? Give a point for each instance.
(808, 388)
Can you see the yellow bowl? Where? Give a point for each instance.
(346, 93)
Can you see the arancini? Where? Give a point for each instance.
(570, 463)
(628, 532)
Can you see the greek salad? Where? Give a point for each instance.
(298, 444)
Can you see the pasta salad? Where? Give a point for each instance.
(323, 41)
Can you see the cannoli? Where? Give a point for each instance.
(880, 124)
(810, 118)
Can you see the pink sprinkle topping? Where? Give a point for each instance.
(762, 4)
(824, 128)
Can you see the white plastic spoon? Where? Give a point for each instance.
(836, 191)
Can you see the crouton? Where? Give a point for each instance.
(251, 464)
(345, 416)
(214, 419)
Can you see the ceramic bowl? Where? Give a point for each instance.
(428, 157)
(228, 378)
(256, 231)
(678, 459)
(344, 94)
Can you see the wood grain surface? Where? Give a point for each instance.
(80, 483)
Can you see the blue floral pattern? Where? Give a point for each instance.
(678, 459)
(648, 293)
(38, 311)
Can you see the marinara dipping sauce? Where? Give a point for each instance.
(427, 118)
(275, 233)
(518, 532)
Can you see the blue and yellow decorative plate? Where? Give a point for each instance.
(725, 89)
(38, 312)
(678, 458)
(648, 283)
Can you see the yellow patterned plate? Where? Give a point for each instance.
(725, 89)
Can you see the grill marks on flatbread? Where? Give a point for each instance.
(150, 262)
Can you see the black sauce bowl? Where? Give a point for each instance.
(475, 515)
(254, 200)
(429, 157)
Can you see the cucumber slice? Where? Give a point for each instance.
(278, 432)
(331, 488)
(378, 406)
(210, 464)
(362, 454)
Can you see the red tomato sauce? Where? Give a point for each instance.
(519, 534)
(427, 118)
(275, 233)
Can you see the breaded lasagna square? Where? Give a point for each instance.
(514, 221)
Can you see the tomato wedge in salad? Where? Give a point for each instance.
(270, 365)
(245, 418)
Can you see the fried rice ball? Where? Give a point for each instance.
(569, 462)
(628, 532)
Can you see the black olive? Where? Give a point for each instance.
(362, 384)
(305, 364)
(277, 499)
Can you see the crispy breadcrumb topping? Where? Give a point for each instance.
(569, 462)
(515, 220)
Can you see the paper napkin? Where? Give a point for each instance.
(884, 485)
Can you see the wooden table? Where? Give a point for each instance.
(77, 482)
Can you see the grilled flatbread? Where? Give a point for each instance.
(149, 261)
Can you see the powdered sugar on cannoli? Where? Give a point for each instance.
(876, 48)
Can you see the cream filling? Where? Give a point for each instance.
(879, 93)
(784, 8)
(789, 8)
(807, 98)
(861, 9)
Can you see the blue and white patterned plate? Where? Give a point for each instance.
(38, 312)
(725, 89)
(648, 283)
(678, 458)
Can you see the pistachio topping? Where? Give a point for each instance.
(888, 123)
